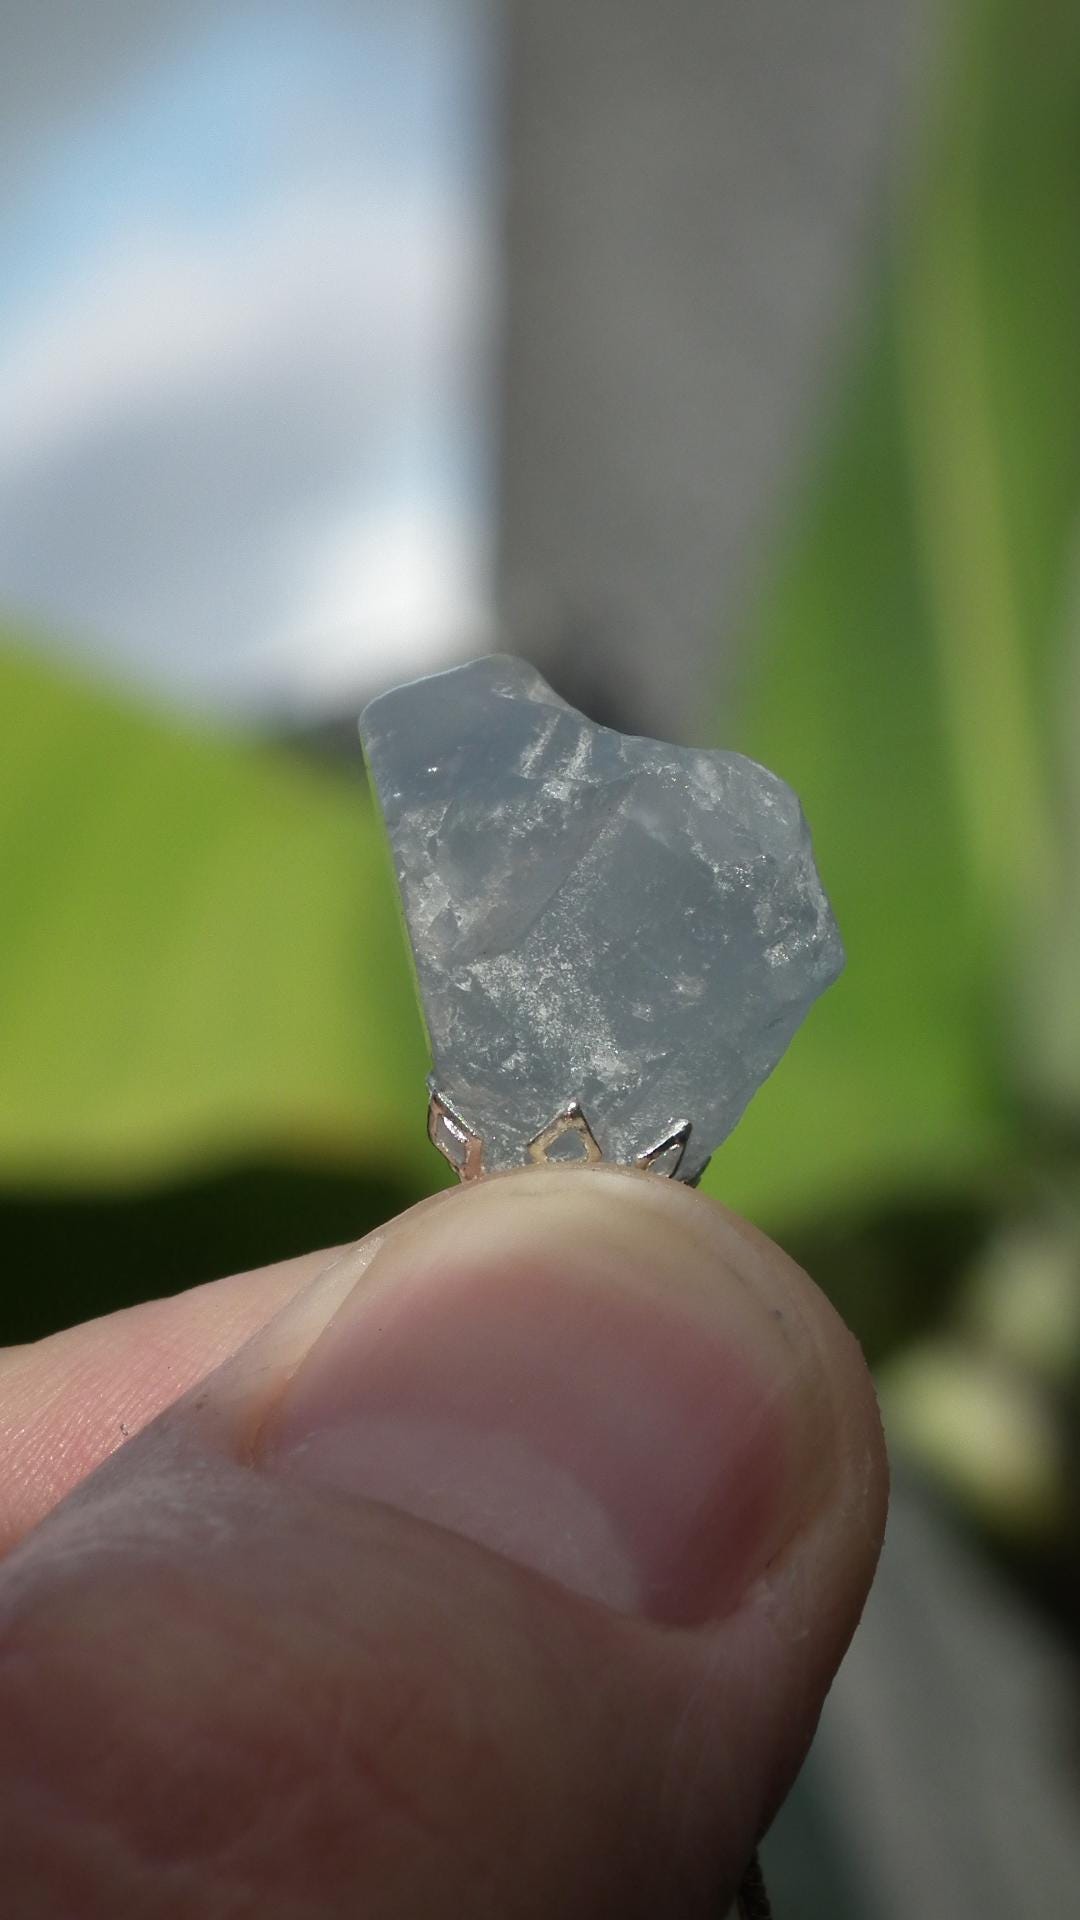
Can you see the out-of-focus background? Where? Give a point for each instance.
(723, 359)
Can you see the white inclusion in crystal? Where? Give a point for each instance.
(594, 917)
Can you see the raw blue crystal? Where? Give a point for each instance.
(594, 918)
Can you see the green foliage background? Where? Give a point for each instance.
(209, 1053)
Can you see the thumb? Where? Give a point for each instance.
(502, 1575)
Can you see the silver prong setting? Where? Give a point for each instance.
(569, 1122)
(463, 1148)
(454, 1138)
(665, 1158)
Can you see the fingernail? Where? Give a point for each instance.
(594, 1373)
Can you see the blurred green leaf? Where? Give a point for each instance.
(911, 644)
(1048, 1029)
(200, 958)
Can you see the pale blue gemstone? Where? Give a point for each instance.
(593, 917)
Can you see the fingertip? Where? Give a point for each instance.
(597, 1372)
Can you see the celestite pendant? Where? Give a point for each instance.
(614, 939)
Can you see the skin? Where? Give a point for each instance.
(496, 1566)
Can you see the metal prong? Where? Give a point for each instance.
(671, 1148)
(571, 1120)
(454, 1138)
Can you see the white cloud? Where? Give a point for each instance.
(240, 459)
(387, 292)
(405, 583)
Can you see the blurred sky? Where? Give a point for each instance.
(245, 321)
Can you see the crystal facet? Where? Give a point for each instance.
(615, 939)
